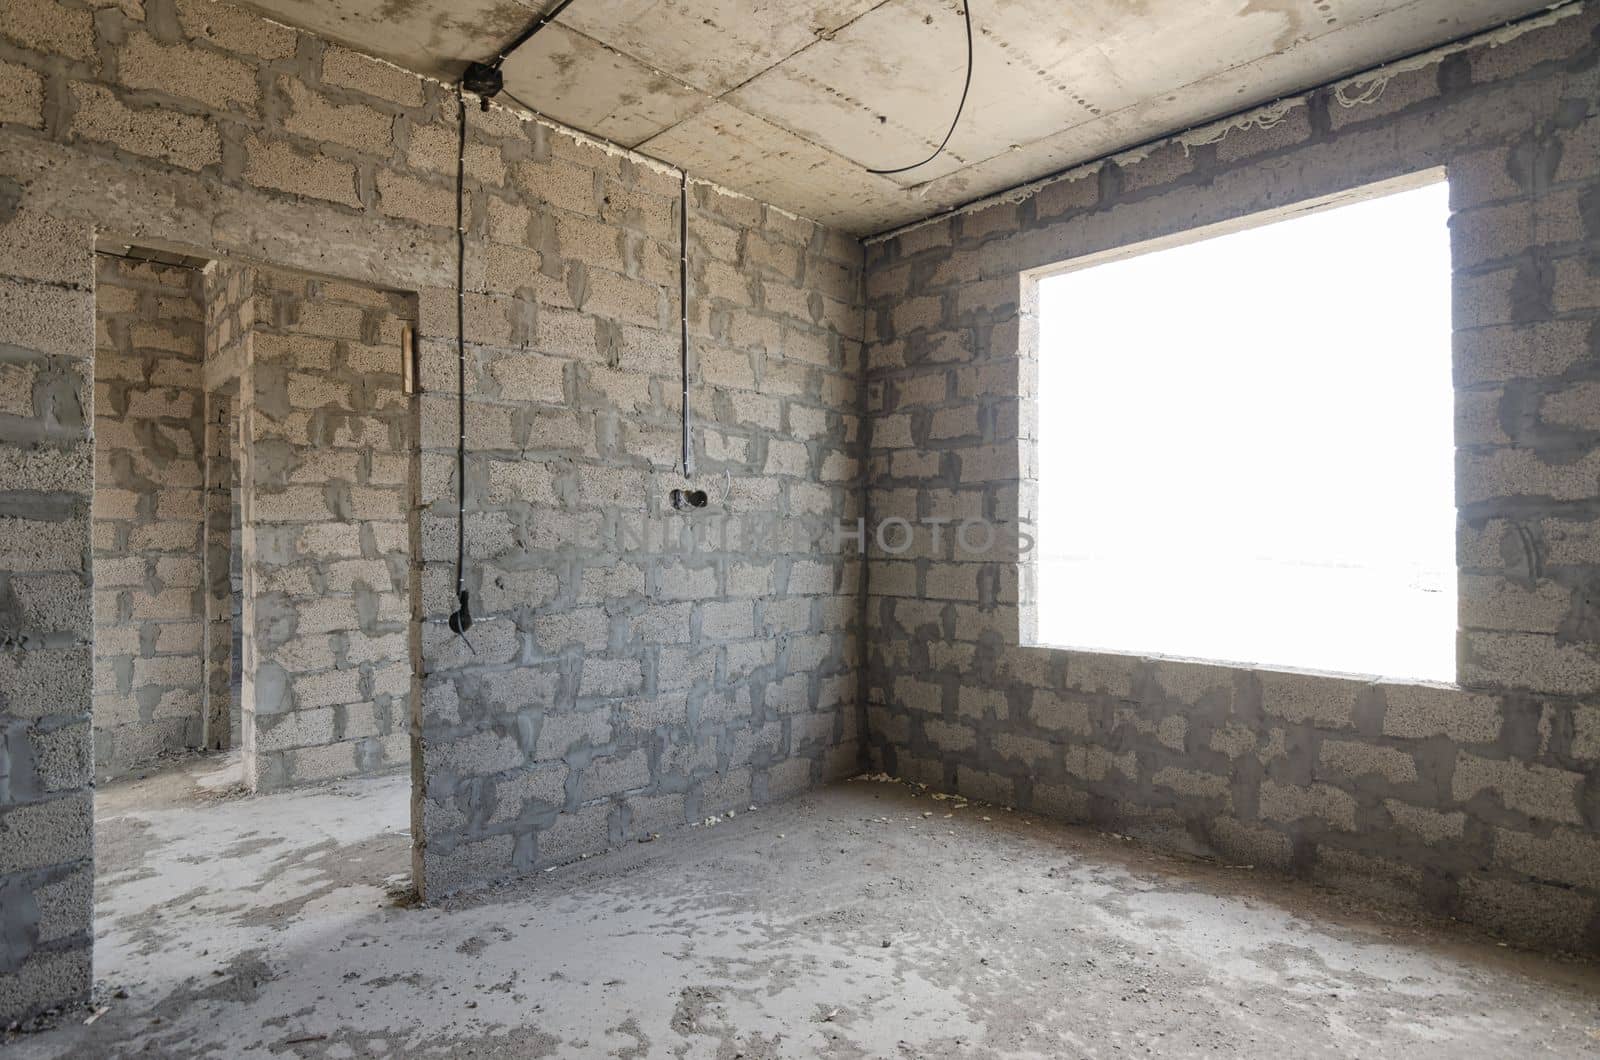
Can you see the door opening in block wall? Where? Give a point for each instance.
(255, 574)
(1246, 444)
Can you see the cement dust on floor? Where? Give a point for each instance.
(866, 920)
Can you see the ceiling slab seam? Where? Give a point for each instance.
(723, 97)
(526, 113)
(611, 147)
(923, 187)
(683, 85)
(638, 148)
(1368, 84)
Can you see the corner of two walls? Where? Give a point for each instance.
(635, 669)
(631, 674)
(1480, 801)
(328, 444)
(229, 294)
(148, 505)
(322, 444)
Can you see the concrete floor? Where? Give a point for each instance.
(864, 921)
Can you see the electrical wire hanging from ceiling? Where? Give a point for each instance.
(966, 14)
(485, 80)
(460, 620)
(686, 456)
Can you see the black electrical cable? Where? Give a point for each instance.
(1303, 94)
(526, 35)
(496, 85)
(484, 79)
(966, 13)
(687, 455)
(461, 620)
(683, 313)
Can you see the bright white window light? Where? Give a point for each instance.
(1245, 446)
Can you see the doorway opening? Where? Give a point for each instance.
(255, 579)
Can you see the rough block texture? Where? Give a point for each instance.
(329, 442)
(46, 481)
(148, 514)
(635, 669)
(230, 319)
(1440, 795)
(224, 574)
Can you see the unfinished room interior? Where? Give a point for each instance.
(852, 528)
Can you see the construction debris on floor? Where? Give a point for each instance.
(868, 919)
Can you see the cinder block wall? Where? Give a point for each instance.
(229, 293)
(221, 711)
(149, 611)
(635, 669)
(1481, 801)
(329, 451)
(46, 654)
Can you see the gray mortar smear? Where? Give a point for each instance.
(868, 919)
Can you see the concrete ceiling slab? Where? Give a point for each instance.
(598, 89)
(1277, 73)
(880, 106)
(740, 150)
(791, 100)
(714, 45)
(433, 37)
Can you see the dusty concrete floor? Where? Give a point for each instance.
(850, 924)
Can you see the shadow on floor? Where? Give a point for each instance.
(865, 920)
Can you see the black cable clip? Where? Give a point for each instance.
(484, 80)
(461, 620)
